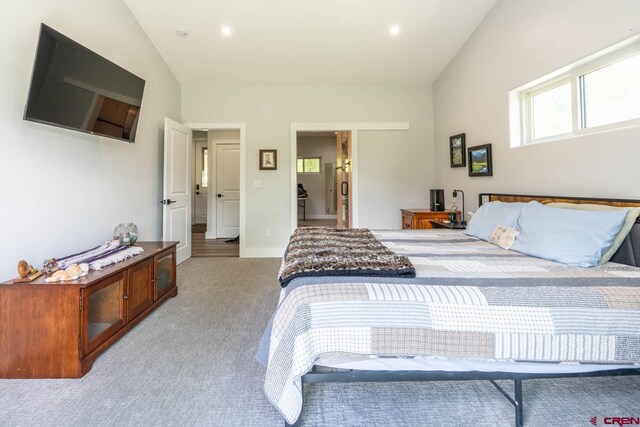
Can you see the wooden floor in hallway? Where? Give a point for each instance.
(207, 248)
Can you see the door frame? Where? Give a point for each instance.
(195, 176)
(323, 127)
(210, 190)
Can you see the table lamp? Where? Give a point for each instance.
(455, 194)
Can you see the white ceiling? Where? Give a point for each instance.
(309, 41)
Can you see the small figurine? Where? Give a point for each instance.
(50, 266)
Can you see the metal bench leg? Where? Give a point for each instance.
(518, 402)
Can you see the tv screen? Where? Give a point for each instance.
(75, 88)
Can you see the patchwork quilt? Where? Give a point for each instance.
(323, 251)
(470, 299)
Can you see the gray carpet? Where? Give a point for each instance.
(191, 363)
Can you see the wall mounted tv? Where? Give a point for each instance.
(75, 88)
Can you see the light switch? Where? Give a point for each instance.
(257, 183)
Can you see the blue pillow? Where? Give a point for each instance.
(568, 236)
(484, 221)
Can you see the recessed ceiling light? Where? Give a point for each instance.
(394, 30)
(226, 30)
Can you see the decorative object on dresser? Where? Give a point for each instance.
(126, 233)
(480, 160)
(436, 197)
(421, 218)
(26, 272)
(457, 151)
(268, 160)
(70, 324)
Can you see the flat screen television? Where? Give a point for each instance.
(75, 88)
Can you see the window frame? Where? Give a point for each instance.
(521, 99)
(319, 158)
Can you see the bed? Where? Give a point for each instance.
(472, 311)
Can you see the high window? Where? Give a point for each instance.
(599, 93)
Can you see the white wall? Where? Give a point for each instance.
(314, 183)
(517, 42)
(269, 111)
(64, 191)
(390, 154)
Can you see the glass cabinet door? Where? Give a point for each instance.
(165, 278)
(102, 311)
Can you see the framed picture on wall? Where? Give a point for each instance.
(480, 160)
(457, 151)
(268, 160)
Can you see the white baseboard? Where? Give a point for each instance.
(210, 235)
(262, 253)
(322, 216)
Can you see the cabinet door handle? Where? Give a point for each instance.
(125, 297)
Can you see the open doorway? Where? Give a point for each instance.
(216, 201)
(320, 174)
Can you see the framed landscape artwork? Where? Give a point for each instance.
(457, 151)
(268, 160)
(480, 160)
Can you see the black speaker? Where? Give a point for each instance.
(437, 200)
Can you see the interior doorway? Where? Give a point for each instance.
(216, 187)
(318, 172)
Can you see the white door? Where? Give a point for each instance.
(176, 190)
(201, 184)
(227, 190)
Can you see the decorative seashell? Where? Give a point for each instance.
(84, 267)
(55, 277)
(73, 270)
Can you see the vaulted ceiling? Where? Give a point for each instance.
(308, 41)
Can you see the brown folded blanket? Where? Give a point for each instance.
(321, 251)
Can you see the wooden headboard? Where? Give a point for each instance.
(628, 253)
(493, 197)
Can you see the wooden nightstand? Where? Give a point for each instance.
(420, 219)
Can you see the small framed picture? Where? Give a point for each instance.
(480, 160)
(268, 160)
(457, 151)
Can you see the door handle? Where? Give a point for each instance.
(167, 201)
(344, 188)
(220, 195)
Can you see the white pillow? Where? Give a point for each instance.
(504, 236)
(489, 215)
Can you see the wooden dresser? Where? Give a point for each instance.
(57, 330)
(419, 218)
